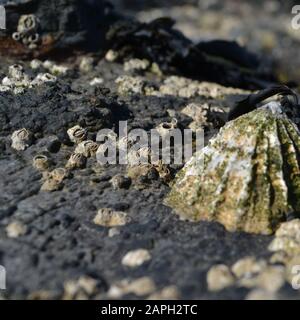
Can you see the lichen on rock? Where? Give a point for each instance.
(247, 177)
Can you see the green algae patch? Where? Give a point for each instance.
(247, 177)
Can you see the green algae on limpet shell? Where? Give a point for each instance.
(247, 177)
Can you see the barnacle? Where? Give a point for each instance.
(165, 128)
(163, 171)
(41, 162)
(88, 148)
(96, 81)
(86, 64)
(42, 78)
(109, 218)
(27, 23)
(54, 179)
(36, 64)
(16, 71)
(77, 160)
(27, 31)
(136, 65)
(17, 79)
(247, 177)
(128, 85)
(111, 55)
(21, 139)
(77, 134)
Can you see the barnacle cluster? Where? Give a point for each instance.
(48, 65)
(28, 31)
(248, 272)
(134, 85)
(18, 80)
(247, 178)
(88, 148)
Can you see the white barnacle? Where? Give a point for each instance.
(54, 179)
(86, 64)
(77, 160)
(59, 174)
(77, 134)
(59, 70)
(17, 36)
(109, 218)
(21, 139)
(16, 72)
(96, 81)
(41, 162)
(4, 88)
(88, 148)
(111, 55)
(27, 23)
(7, 82)
(136, 64)
(42, 78)
(165, 128)
(136, 258)
(36, 64)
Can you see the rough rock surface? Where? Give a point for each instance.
(61, 242)
(59, 252)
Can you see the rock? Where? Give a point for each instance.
(136, 258)
(120, 181)
(108, 218)
(36, 29)
(219, 277)
(214, 61)
(229, 180)
(112, 232)
(16, 229)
